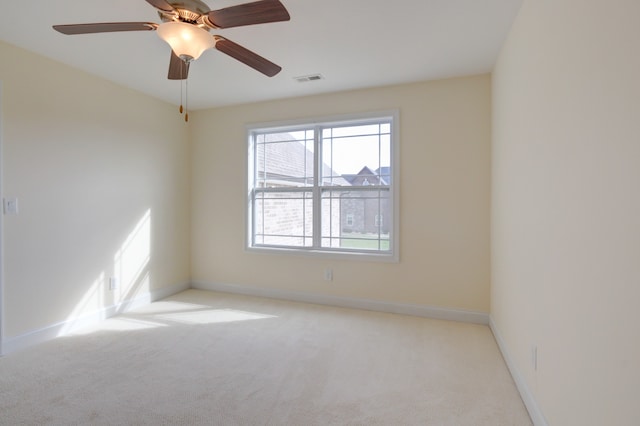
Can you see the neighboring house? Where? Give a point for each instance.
(290, 164)
(284, 162)
(359, 212)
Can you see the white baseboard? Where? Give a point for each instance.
(344, 302)
(525, 393)
(59, 329)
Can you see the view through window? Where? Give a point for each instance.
(326, 187)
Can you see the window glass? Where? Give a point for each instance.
(323, 187)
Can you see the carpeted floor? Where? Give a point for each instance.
(206, 358)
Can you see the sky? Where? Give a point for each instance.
(348, 149)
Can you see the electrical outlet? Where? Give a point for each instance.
(328, 274)
(113, 283)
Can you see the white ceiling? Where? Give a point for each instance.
(352, 43)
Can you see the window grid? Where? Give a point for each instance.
(327, 231)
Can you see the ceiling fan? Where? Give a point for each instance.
(186, 26)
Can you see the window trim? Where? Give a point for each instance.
(394, 192)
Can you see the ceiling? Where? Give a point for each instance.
(351, 43)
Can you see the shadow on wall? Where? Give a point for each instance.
(130, 277)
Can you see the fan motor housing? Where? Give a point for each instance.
(188, 11)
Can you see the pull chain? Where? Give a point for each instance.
(184, 93)
(186, 100)
(181, 97)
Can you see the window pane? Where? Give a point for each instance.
(284, 160)
(348, 203)
(284, 219)
(356, 156)
(355, 219)
(367, 129)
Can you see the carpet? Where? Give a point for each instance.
(208, 358)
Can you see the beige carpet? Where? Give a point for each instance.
(205, 358)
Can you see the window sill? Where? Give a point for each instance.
(326, 254)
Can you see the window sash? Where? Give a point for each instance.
(287, 228)
(320, 186)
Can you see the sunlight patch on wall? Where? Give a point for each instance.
(92, 301)
(130, 263)
(130, 278)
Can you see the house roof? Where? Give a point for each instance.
(366, 176)
(291, 162)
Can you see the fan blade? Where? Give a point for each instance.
(162, 5)
(247, 57)
(105, 27)
(178, 69)
(258, 12)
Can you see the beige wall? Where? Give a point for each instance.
(87, 160)
(566, 207)
(444, 197)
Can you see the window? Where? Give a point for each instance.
(324, 187)
(349, 219)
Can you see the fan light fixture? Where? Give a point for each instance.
(185, 28)
(186, 40)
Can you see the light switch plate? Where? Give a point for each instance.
(10, 206)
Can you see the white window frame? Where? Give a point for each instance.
(393, 254)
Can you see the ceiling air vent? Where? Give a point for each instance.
(305, 78)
